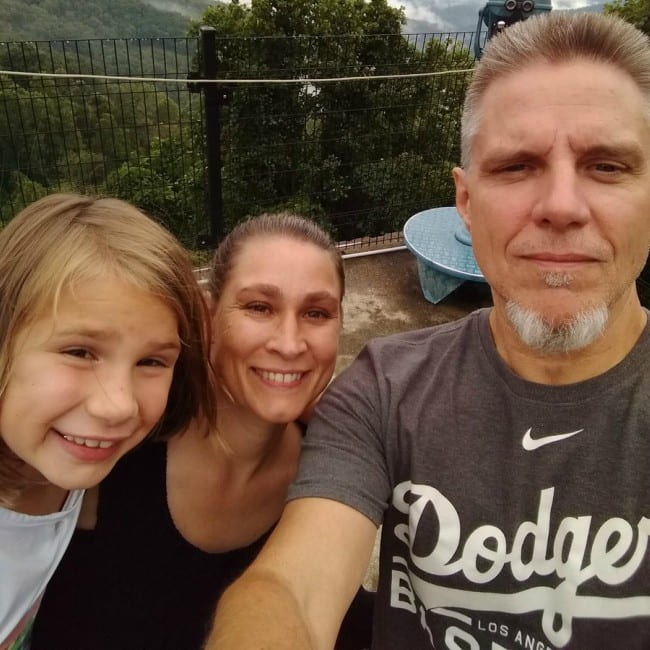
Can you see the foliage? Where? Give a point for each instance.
(357, 156)
(97, 137)
(166, 183)
(636, 12)
(23, 191)
(344, 148)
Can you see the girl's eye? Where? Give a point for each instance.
(150, 362)
(80, 353)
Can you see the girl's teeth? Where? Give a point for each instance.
(86, 442)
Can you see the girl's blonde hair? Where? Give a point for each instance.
(64, 239)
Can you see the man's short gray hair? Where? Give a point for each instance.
(556, 37)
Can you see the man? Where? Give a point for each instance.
(507, 453)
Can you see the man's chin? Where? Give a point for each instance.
(559, 331)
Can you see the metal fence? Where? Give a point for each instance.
(99, 135)
(360, 154)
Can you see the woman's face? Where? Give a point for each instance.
(276, 327)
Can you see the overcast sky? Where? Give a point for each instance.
(426, 9)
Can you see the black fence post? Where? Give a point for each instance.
(212, 96)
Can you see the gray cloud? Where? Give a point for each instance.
(460, 14)
(433, 10)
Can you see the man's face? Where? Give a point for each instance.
(557, 194)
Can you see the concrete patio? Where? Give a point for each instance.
(383, 296)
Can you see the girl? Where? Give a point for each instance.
(103, 341)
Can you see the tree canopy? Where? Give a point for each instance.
(636, 12)
(347, 148)
(359, 155)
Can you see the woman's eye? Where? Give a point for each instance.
(317, 314)
(258, 308)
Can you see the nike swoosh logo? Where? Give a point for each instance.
(530, 444)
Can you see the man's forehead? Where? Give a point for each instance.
(551, 76)
(544, 101)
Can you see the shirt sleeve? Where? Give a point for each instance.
(343, 455)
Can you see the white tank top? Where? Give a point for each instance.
(30, 550)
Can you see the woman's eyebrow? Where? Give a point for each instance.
(272, 291)
(321, 295)
(261, 287)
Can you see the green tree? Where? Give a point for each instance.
(34, 131)
(636, 12)
(330, 148)
(70, 134)
(168, 182)
(22, 191)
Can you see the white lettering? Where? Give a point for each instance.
(401, 591)
(437, 562)
(612, 541)
(529, 641)
(425, 625)
(484, 555)
(539, 533)
(477, 547)
(571, 537)
(455, 634)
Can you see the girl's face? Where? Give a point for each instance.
(89, 383)
(276, 327)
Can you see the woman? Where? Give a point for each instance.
(177, 521)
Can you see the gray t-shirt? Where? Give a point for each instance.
(515, 515)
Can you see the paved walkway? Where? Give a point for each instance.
(383, 296)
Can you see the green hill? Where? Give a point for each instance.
(190, 8)
(81, 19)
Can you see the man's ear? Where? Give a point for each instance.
(462, 196)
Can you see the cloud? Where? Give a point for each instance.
(426, 9)
(569, 4)
(416, 11)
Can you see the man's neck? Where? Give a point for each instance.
(622, 332)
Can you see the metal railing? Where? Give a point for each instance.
(359, 154)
